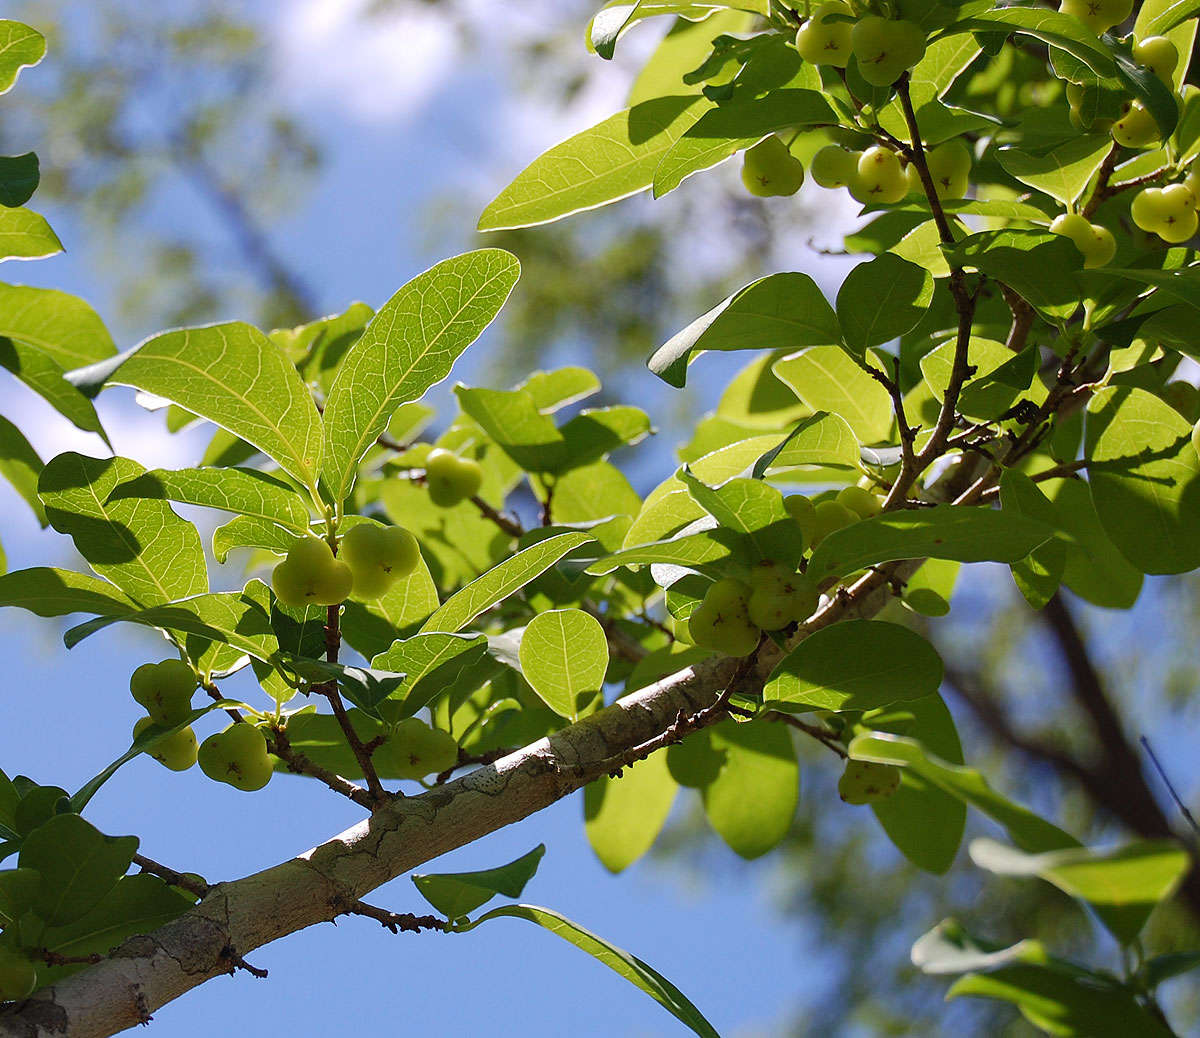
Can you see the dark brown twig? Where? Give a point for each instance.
(299, 764)
(510, 526)
(230, 955)
(168, 875)
(467, 760)
(1162, 774)
(398, 922)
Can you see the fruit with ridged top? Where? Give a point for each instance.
(378, 556)
(164, 689)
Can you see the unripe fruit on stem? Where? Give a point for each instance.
(1098, 15)
(825, 43)
(451, 479)
(949, 167)
(769, 169)
(18, 976)
(237, 756)
(164, 690)
(860, 501)
(177, 751)
(1096, 243)
(864, 782)
(886, 48)
(413, 750)
(829, 516)
(1169, 212)
(1136, 128)
(801, 509)
(378, 556)
(310, 575)
(722, 622)
(879, 178)
(1159, 55)
(834, 166)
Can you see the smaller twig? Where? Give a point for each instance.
(299, 764)
(466, 760)
(1054, 472)
(398, 922)
(509, 526)
(546, 505)
(168, 875)
(908, 434)
(822, 735)
(230, 955)
(51, 958)
(1022, 319)
(214, 693)
(1162, 773)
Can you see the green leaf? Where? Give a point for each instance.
(827, 379)
(947, 948)
(1163, 967)
(623, 816)
(780, 311)
(618, 16)
(1145, 479)
(141, 546)
(686, 45)
(58, 592)
(1000, 376)
(821, 439)
(753, 508)
(554, 390)
(45, 377)
(960, 532)
(62, 326)
(512, 419)
(1062, 172)
(564, 656)
(690, 548)
(20, 47)
(138, 904)
(371, 627)
(1039, 574)
(79, 865)
(1155, 19)
(617, 959)
(21, 466)
(245, 531)
(1060, 30)
(234, 376)
(610, 161)
(1024, 828)
(240, 618)
(735, 125)
(18, 890)
(752, 798)
(410, 345)
(498, 583)
(854, 665)
(1124, 885)
(19, 176)
(457, 894)
(882, 299)
(1095, 570)
(924, 822)
(431, 661)
(247, 492)
(25, 234)
(1038, 265)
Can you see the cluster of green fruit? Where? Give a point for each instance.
(1169, 212)
(734, 612)
(1095, 242)
(1098, 15)
(884, 48)
(372, 558)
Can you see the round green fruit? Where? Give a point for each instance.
(164, 690)
(1136, 128)
(829, 516)
(237, 756)
(860, 501)
(864, 782)
(18, 976)
(1169, 212)
(1098, 15)
(311, 576)
(770, 170)
(822, 42)
(722, 620)
(451, 479)
(1095, 242)
(950, 168)
(885, 48)
(879, 178)
(378, 556)
(1159, 55)
(177, 751)
(834, 166)
(413, 750)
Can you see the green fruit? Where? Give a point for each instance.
(1098, 15)
(451, 479)
(829, 516)
(1159, 55)
(801, 509)
(177, 752)
(769, 169)
(722, 621)
(413, 750)
(825, 43)
(18, 976)
(834, 166)
(864, 782)
(860, 501)
(886, 48)
(378, 556)
(879, 177)
(779, 596)
(310, 575)
(770, 612)
(164, 690)
(1095, 242)
(950, 168)
(1136, 128)
(1169, 212)
(237, 756)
